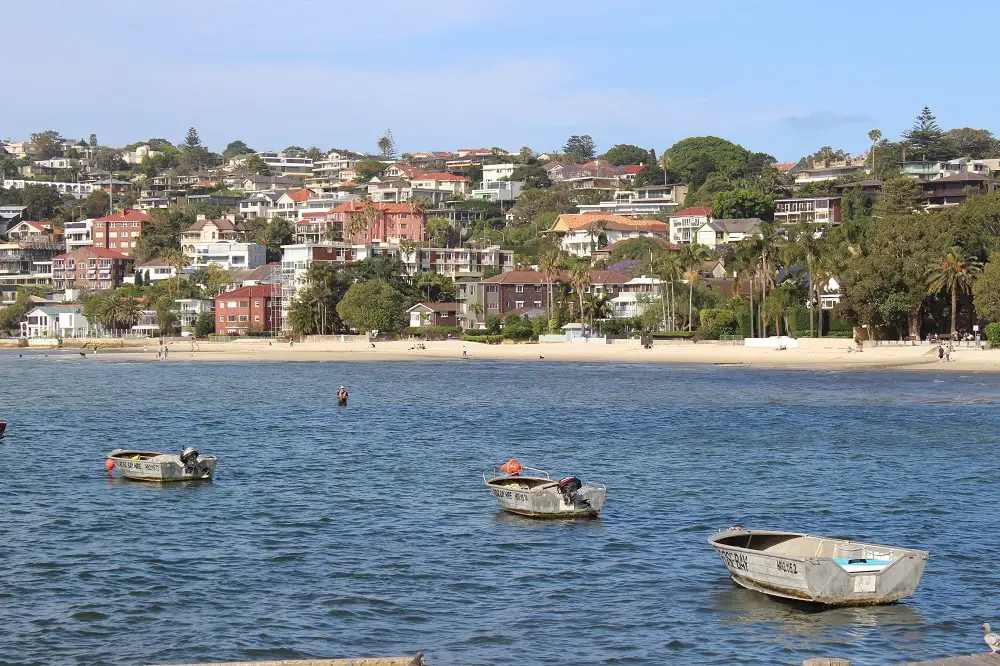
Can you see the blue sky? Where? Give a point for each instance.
(778, 77)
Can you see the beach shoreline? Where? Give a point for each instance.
(829, 354)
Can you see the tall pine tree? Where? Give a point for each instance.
(927, 141)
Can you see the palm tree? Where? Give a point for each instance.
(669, 268)
(408, 247)
(130, 311)
(954, 273)
(777, 306)
(595, 230)
(767, 244)
(808, 248)
(580, 279)
(361, 221)
(178, 261)
(476, 308)
(548, 265)
(874, 136)
(693, 256)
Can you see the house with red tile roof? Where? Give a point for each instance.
(368, 222)
(119, 232)
(684, 224)
(30, 230)
(90, 269)
(580, 234)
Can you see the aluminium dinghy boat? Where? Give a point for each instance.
(828, 571)
(188, 465)
(528, 491)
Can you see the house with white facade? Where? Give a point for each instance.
(634, 298)
(684, 224)
(581, 234)
(55, 321)
(285, 164)
(76, 190)
(720, 232)
(152, 271)
(648, 200)
(78, 234)
(227, 254)
(259, 204)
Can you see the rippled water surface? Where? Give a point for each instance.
(367, 531)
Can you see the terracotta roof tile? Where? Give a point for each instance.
(694, 211)
(126, 216)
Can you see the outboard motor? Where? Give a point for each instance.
(189, 458)
(569, 488)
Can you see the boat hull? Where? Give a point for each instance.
(3, 428)
(161, 467)
(545, 501)
(827, 580)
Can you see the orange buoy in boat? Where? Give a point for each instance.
(511, 467)
(109, 464)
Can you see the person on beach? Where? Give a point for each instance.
(947, 352)
(940, 352)
(165, 350)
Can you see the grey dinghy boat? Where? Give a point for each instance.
(528, 491)
(833, 572)
(156, 466)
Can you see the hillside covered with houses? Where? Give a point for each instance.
(703, 239)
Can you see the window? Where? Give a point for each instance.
(256, 303)
(256, 317)
(491, 306)
(519, 288)
(244, 318)
(244, 304)
(230, 304)
(518, 304)
(538, 304)
(491, 289)
(231, 318)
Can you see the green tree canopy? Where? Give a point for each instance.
(234, 148)
(927, 141)
(256, 164)
(580, 148)
(625, 153)
(531, 175)
(738, 204)
(986, 290)
(372, 306)
(900, 196)
(46, 145)
(695, 158)
(41, 201)
(368, 169)
(975, 143)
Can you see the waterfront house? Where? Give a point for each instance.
(248, 309)
(434, 314)
(955, 189)
(55, 321)
(501, 294)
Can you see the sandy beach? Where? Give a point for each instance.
(813, 354)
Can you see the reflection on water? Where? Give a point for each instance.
(367, 530)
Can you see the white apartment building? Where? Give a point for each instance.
(227, 254)
(331, 172)
(78, 234)
(684, 224)
(495, 172)
(282, 164)
(633, 300)
(77, 190)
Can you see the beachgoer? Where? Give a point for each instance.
(947, 353)
(342, 396)
(940, 352)
(165, 350)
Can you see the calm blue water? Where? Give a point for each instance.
(367, 531)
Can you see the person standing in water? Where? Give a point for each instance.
(342, 396)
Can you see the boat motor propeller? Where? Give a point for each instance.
(569, 488)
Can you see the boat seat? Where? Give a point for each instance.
(861, 565)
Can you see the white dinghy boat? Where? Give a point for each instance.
(188, 465)
(528, 491)
(832, 572)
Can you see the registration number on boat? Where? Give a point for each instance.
(787, 567)
(510, 495)
(136, 465)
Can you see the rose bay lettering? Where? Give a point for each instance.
(787, 567)
(734, 560)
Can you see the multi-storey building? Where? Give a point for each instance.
(77, 190)
(648, 200)
(119, 232)
(248, 309)
(283, 164)
(90, 269)
(684, 224)
(78, 234)
(814, 210)
(581, 234)
(367, 222)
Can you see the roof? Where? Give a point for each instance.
(158, 262)
(252, 291)
(960, 177)
(571, 221)
(37, 226)
(126, 216)
(441, 176)
(87, 252)
(662, 242)
(785, 167)
(358, 206)
(632, 169)
(435, 306)
(222, 224)
(694, 211)
(535, 277)
(298, 196)
(259, 274)
(736, 226)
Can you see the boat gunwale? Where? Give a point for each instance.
(119, 454)
(813, 559)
